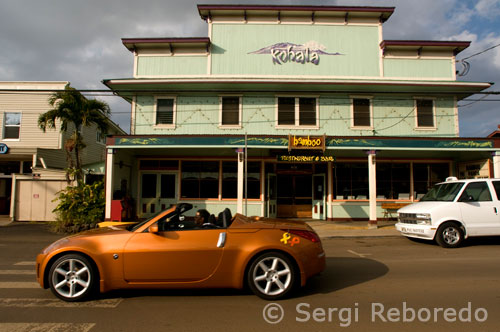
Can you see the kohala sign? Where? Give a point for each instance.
(289, 52)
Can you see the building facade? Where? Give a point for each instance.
(291, 111)
(32, 162)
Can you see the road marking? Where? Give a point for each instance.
(31, 272)
(31, 263)
(358, 254)
(19, 284)
(46, 327)
(56, 303)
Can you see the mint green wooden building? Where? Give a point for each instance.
(213, 119)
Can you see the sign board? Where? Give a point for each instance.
(305, 159)
(3, 148)
(306, 142)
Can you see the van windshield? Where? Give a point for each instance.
(444, 192)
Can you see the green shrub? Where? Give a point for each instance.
(80, 208)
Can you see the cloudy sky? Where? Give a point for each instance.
(80, 41)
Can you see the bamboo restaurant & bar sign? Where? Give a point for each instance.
(306, 142)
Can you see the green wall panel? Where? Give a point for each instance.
(233, 44)
(418, 68)
(171, 65)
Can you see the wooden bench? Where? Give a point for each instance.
(390, 208)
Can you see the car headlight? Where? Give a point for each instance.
(423, 218)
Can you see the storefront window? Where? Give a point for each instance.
(200, 179)
(350, 180)
(230, 180)
(393, 181)
(425, 175)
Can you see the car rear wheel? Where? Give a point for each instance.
(271, 276)
(72, 278)
(449, 235)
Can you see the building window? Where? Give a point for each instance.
(230, 180)
(230, 111)
(165, 111)
(297, 111)
(100, 137)
(350, 181)
(361, 112)
(426, 175)
(11, 125)
(425, 113)
(393, 181)
(200, 179)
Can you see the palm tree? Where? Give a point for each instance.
(74, 112)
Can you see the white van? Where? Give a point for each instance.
(453, 211)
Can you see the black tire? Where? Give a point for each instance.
(449, 235)
(272, 276)
(72, 278)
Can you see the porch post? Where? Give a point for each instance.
(241, 164)
(329, 178)
(496, 164)
(109, 182)
(372, 185)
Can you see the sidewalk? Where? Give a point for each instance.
(329, 229)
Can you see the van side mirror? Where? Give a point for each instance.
(154, 229)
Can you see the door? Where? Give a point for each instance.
(158, 192)
(319, 197)
(172, 256)
(271, 198)
(480, 212)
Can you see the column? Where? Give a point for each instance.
(372, 185)
(496, 164)
(109, 182)
(241, 165)
(329, 197)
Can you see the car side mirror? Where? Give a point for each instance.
(154, 229)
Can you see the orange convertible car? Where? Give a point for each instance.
(166, 251)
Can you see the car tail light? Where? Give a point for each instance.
(311, 236)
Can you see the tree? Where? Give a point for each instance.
(74, 111)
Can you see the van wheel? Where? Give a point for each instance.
(449, 235)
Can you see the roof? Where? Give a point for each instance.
(495, 134)
(132, 43)
(206, 11)
(455, 46)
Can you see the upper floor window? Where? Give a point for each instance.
(230, 111)
(100, 137)
(11, 125)
(361, 112)
(425, 113)
(165, 111)
(297, 111)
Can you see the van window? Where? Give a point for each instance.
(496, 185)
(476, 192)
(445, 192)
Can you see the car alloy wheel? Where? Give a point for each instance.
(449, 235)
(71, 278)
(271, 276)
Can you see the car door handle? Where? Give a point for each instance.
(222, 240)
(496, 211)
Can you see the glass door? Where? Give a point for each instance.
(158, 192)
(319, 197)
(271, 199)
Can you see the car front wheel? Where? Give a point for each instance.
(72, 278)
(449, 235)
(271, 276)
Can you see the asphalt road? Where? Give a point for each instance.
(370, 284)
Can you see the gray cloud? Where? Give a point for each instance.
(80, 41)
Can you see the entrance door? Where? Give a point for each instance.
(319, 197)
(294, 195)
(271, 198)
(158, 192)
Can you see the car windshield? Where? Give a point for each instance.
(443, 192)
(132, 228)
